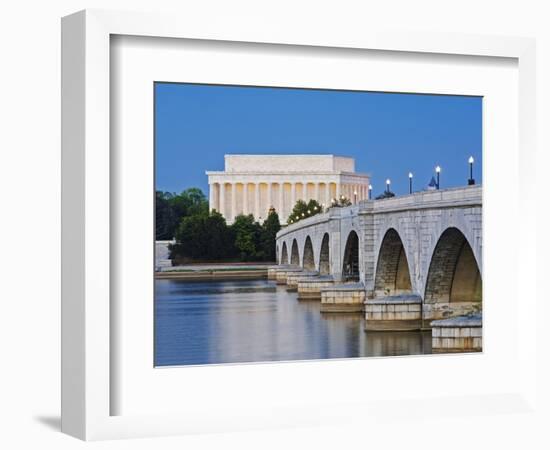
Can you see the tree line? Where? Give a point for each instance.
(203, 235)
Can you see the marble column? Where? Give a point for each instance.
(269, 197)
(338, 191)
(233, 201)
(211, 197)
(317, 192)
(245, 198)
(281, 201)
(257, 201)
(292, 197)
(222, 209)
(327, 195)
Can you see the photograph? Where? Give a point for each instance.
(296, 224)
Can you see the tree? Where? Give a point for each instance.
(164, 218)
(203, 237)
(270, 228)
(247, 237)
(302, 210)
(190, 202)
(171, 208)
(341, 202)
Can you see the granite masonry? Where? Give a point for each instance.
(409, 261)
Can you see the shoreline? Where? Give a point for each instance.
(217, 272)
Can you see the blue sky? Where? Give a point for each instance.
(387, 134)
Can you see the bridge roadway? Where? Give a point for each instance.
(425, 246)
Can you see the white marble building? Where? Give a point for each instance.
(251, 184)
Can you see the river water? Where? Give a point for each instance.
(255, 321)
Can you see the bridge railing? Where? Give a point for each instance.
(332, 213)
(460, 196)
(443, 198)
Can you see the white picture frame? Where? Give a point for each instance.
(88, 387)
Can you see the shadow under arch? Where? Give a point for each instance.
(392, 269)
(284, 254)
(324, 256)
(308, 261)
(294, 255)
(453, 275)
(350, 265)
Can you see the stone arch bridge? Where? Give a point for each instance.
(424, 249)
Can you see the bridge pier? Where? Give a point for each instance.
(349, 297)
(458, 334)
(446, 310)
(293, 278)
(272, 271)
(310, 288)
(394, 313)
(282, 274)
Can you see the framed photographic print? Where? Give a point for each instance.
(350, 274)
(258, 224)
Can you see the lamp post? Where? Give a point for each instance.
(410, 182)
(471, 180)
(437, 171)
(388, 182)
(370, 191)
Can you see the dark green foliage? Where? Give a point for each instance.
(247, 238)
(270, 228)
(302, 210)
(171, 208)
(164, 218)
(190, 202)
(204, 237)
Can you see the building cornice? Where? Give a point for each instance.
(281, 173)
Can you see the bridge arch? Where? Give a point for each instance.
(350, 261)
(294, 253)
(308, 260)
(284, 254)
(392, 276)
(453, 275)
(324, 255)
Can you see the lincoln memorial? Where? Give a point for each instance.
(251, 184)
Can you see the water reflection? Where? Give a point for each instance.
(256, 320)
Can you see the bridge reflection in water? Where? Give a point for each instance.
(258, 321)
